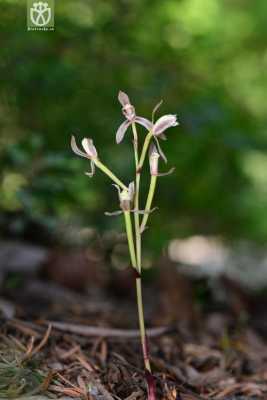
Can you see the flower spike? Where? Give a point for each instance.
(129, 195)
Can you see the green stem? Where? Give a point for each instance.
(136, 201)
(149, 200)
(129, 232)
(137, 225)
(110, 174)
(142, 324)
(144, 150)
(136, 256)
(135, 143)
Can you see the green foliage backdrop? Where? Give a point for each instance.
(206, 59)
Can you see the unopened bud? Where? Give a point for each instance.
(153, 160)
(126, 197)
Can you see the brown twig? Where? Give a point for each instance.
(105, 332)
(31, 351)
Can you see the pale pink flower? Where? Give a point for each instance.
(160, 126)
(163, 123)
(89, 152)
(128, 111)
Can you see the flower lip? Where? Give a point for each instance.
(163, 123)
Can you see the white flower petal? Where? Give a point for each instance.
(144, 122)
(113, 214)
(123, 98)
(91, 174)
(167, 173)
(89, 147)
(163, 123)
(162, 155)
(121, 131)
(76, 149)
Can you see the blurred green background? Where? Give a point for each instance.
(207, 59)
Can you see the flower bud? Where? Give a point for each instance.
(153, 160)
(126, 197)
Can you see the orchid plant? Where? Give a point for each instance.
(129, 195)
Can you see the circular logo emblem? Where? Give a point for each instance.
(40, 14)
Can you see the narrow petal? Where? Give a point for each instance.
(121, 131)
(118, 188)
(143, 212)
(167, 173)
(155, 109)
(89, 147)
(76, 149)
(144, 122)
(113, 214)
(163, 123)
(91, 174)
(162, 155)
(162, 136)
(123, 98)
